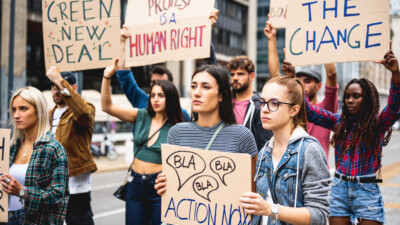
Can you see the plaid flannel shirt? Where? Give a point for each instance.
(352, 164)
(46, 181)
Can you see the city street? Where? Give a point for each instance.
(108, 210)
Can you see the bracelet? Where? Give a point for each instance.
(108, 78)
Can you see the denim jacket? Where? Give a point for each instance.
(313, 179)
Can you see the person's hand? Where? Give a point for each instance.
(254, 204)
(390, 62)
(213, 16)
(54, 75)
(109, 71)
(270, 31)
(124, 34)
(160, 183)
(10, 185)
(288, 69)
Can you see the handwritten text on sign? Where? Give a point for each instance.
(167, 30)
(198, 183)
(323, 31)
(80, 34)
(4, 166)
(277, 13)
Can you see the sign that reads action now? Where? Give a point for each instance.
(321, 31)
(165, 30)
(81, 34)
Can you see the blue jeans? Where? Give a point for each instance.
(143, 204)
(357, 200)
(16, 217)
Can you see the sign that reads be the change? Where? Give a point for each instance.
(204, 187)
(328, 31)
(81, 34)
(166, 30)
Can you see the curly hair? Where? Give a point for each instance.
(366, 122)
(241, 62)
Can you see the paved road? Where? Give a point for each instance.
(110, 211)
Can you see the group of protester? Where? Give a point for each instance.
(284, 128)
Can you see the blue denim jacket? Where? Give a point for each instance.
(313, 177)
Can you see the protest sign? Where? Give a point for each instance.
(277, 13)
(167, 30)
(319, 32)
(204, 187)
(4, 165)
(81, 34)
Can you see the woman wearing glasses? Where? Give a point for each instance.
(292, 174)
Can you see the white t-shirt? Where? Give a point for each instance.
(264, 219)
(80, 183)
(56, 118)
(18, 171)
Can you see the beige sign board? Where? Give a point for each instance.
(346, 31)
(81, 34)
(277, 13)
(4, 166)
(204, 187)
(167, 31)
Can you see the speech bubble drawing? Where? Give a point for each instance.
(222, 166)
(186, 164)
(204, 185)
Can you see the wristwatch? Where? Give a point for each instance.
(275, 210)
(22, 193)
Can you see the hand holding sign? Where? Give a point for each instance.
(186, 165)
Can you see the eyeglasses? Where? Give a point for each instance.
(273, 104)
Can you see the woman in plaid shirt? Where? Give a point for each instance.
(359, 135)
(37, 182)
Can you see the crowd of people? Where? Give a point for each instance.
(285, 130)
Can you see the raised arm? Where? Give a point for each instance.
(288, 69)
(83, 112)
(136, 96)
(321, 117)
(391, 112)
(331, 79)
(213, 58)
(124, 114)
(273, 59)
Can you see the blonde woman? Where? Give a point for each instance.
(37, 182)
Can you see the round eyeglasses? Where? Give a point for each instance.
(272, 104)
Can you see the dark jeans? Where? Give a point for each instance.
(15, 217)
(143, 204)
(79, 211)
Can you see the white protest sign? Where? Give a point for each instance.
(204, 187)
(277, 13)
(164, 30)
(4, 166)
(319, 32)
(81, 34)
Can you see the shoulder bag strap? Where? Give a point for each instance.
(215, 135)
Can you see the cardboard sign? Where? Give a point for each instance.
(167, 30)
(4, 166)
(204, 187)
(319, 32)
(81, 34)
(277, 13)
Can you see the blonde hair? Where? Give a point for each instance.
(36, 98)
(295, 94)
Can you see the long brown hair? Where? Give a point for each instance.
(295, 95)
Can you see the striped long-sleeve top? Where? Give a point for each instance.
(352, 163)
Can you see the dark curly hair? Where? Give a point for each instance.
(366, 122)
(241, 62)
